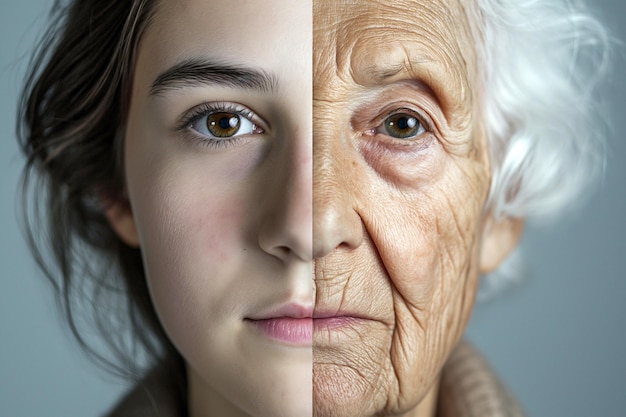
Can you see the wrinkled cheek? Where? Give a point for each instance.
(417, 283)
(429, 309)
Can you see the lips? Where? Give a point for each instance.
(294, 324)
(289, 324)
(326, 320)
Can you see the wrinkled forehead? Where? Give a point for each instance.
(372, 41)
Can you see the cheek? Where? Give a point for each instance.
(191, 210)
(192, 240)
(427, 239)
(427, 229)
(186, 216)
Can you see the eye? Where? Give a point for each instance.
(223, 124)
(401, 126)
(219, 123)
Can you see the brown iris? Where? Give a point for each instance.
(222, 124)
(402, 125)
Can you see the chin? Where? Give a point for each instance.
(290, 394)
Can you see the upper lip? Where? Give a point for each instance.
(331, 314)
(292, 310)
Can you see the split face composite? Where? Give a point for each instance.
(307, 185)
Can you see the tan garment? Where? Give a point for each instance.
(469, 388)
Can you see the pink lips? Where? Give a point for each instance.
(291, 324)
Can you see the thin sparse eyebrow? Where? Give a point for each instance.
(195, 72)
(381, 71)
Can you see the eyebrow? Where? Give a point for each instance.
(199, 72)
(380, 72)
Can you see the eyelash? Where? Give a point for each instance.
(205, 109)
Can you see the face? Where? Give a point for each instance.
(401, 178)
(218, 164)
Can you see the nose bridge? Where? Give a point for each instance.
(286, 229)
(335, 220)
(299, 204)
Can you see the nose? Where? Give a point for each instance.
(336, 222)
(286, 228)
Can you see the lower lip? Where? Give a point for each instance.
(288, 330)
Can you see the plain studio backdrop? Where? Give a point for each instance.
(558, 339)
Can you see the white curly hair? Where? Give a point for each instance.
(540, 61)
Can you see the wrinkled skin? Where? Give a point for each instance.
(399, 224)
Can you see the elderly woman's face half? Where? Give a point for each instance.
(401, 176)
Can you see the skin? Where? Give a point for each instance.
(226, 231)
(400, 229)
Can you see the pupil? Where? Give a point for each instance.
(224, 122)
(403, 123)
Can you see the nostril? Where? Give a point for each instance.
(285, 241)
(282, 251)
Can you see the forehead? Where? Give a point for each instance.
(261, 34)
(374, 41)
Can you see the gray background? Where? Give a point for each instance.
(558, 340)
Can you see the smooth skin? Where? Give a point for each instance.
(225, 224)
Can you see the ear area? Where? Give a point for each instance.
(120, 216)
(498, 241)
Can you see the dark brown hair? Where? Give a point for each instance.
(71, 128)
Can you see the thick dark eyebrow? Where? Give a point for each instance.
(198, 72)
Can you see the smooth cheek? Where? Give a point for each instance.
(189, 205)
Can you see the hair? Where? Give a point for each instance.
(71, 126)
(540, 60)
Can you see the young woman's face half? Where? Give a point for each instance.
(219, 176)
